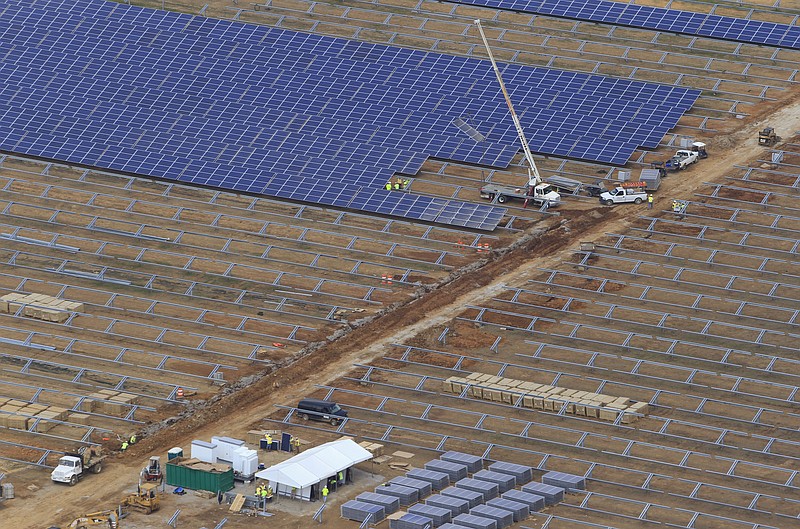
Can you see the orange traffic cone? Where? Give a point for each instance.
(486, 247)
(389, 278)
(179, 393)
(383, 279)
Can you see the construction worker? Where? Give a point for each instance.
(397, 185)
(406, 183)
(388, 186)
(258, 491)
(650, 200)
(133, 439)
(295, 442)
(675, 206)
(265, 495)
(124, 445)
(341, 478)
(324, 494)
(268, 439)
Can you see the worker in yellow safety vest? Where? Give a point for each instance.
(268, 439)
(324, 494)
(388, 186)
(341, 478)
(295, 442)
(124, 445)
(133, 439)
(650, 200)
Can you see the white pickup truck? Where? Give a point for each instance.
(620, 195)
(682, 159)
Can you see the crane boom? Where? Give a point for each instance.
(533, 172)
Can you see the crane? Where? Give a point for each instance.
(537, 190)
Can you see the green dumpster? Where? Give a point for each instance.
(182, 472)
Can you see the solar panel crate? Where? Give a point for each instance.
(474, 498)
(475, 522)
(439, 515)
(519, 510)
(456, 505)
(550, 493)
(503, 517)
(406, 495)
(521, 472)
(411, 521)
(535, 502)
(566, 481)
(359, 511)
(438, 480)
(390, 504)
(451, 526)
(474, 463)
(423, 487)
(456, 471)
(488, 489)
(505, 482)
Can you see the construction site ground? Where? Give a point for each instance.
(381, 295)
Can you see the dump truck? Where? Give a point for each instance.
(146, 498)
(620, 195)
(767, 137)
(73, 466)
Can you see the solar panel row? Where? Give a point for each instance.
(656, 18)
(305, 117)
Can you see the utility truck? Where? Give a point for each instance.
(535, 189)
(628, 193)
(75, 465)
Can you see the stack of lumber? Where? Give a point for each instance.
(39, 306)
(109, 402)
(22, 415)
(549, 398)
(375, 449)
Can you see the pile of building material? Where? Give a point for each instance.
(109, 402)
(549, 398)
(39, 306)
(375, 449)
(22, 415)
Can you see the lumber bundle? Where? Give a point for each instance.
(548, 398)
(39, 306)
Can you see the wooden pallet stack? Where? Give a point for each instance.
(548, 398)
(40, 306)
(23, 415)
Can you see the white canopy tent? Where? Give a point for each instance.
(297, 476)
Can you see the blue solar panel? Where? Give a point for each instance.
(259, 109)
(656, 18)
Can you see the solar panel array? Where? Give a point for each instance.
(304, 117)
(657, 18)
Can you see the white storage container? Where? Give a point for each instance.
(206, 452)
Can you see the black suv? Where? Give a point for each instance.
(321, 410)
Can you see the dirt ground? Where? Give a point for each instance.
(547, 244)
